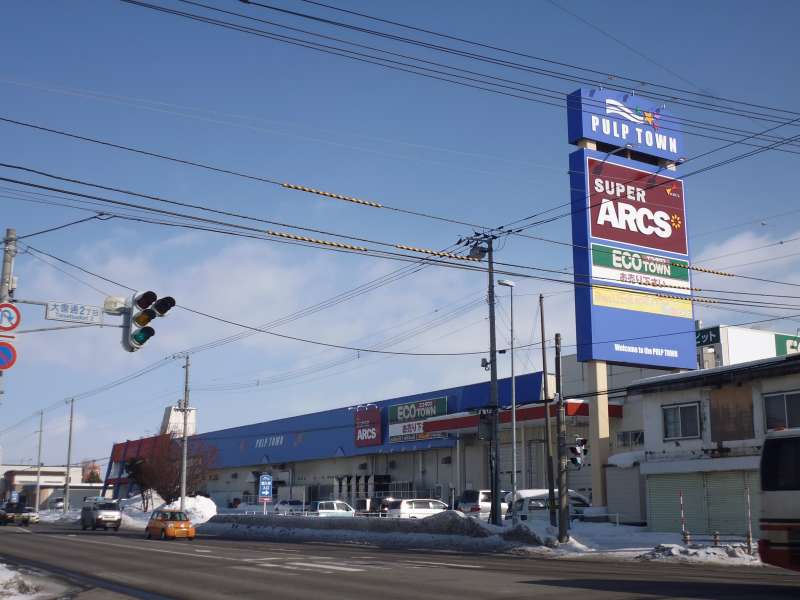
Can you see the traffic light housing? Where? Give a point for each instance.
(141, 308)
(578, 452)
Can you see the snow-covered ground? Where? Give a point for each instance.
(624, 542)
(58, 516)
(30, 585)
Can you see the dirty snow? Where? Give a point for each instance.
(199, 508)
(725, 554)
(14, 585)
(58, 516)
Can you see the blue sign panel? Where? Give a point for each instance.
(624, 120)
(265, 488)
(633, 302)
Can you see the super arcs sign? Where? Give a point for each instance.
(633, 300)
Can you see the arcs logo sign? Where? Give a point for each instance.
(635, 207)
(368, 427)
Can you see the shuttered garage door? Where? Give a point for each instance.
(663, 505)
(726, 503)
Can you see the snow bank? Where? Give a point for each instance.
(13, 585)
(58, 516)
(199, 508)
(727, 554)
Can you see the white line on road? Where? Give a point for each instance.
(203, 551)
(426, 563)
(255, 560)
(325, 566)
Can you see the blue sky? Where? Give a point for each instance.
(129, 75)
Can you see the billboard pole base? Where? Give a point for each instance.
(597, 371)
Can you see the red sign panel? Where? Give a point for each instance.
(368, 427)
(635, 207)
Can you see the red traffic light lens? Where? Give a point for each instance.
(162, 305)
(145, 299)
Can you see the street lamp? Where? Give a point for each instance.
(510, 285)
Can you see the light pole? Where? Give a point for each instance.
(510, 285)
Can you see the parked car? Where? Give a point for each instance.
(415, 508)
(101, 512)
(478, 503)
(287, 507)
(169, 524)
(532, 504)
(331, 508)
(56, 504)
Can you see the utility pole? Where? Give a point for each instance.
(561, 423)
(7, 277)
(69, 456)
(39, 462)
(184, 449)
(494, 403)
(9, 251)
(551, 495)
(510, 285)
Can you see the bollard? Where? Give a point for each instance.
(749, 538)
(715, 539)
(684, 534)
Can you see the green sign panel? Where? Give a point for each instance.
(407, 421)
(707, 337)
(640, 263)
(786, 344)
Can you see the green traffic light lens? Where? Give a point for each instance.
(142, 335)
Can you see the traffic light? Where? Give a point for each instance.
(578, 452)
(140, 309)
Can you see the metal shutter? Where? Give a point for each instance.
(505, 466)
(663, 505)
(726, 502)
(537, 476)
(626, 494)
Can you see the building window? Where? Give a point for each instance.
(782, 411)
(681, 421)
(630, 439)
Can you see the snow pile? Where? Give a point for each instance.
(725, 554)
(199, 508)
(13, 585)
(58, 516)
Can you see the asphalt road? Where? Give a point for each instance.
(213, 568)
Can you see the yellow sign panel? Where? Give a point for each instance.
(648, 303)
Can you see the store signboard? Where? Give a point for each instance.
(624, 120)
(368, 427)
(407, 421)
(631, 259)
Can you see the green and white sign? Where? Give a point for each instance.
(640, 269)
(407, 421)
(786, 344)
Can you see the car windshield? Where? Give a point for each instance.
(395, 504)
(294, 503)
(108, 506)
(175, 516)
(780, 465)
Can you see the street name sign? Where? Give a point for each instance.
(74, 313)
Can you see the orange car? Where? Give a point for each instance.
(169, 524)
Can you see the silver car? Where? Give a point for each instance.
(102, 514)
(478, 503)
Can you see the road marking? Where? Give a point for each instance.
(204, 551)
(145, 547)
(255, 560)
(324, 566)
(425, 563)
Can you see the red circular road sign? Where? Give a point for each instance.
(8, 356)
(10, 317)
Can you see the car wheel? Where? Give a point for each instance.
(94, 527)
(163, 535)
(148, 535)
(116, 528)
(191, 539)
(83, 526)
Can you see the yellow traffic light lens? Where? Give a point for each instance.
(144, 317)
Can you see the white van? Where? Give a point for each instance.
(415, 508)
(532, 504)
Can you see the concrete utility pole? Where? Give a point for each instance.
(39, 462)
(551, 495)
(510, 285)
(494, 403)
(9, 252)
(184, 449)
(561, 423)
(69, 456)
(7, 276)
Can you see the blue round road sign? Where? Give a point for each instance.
(8, 356)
